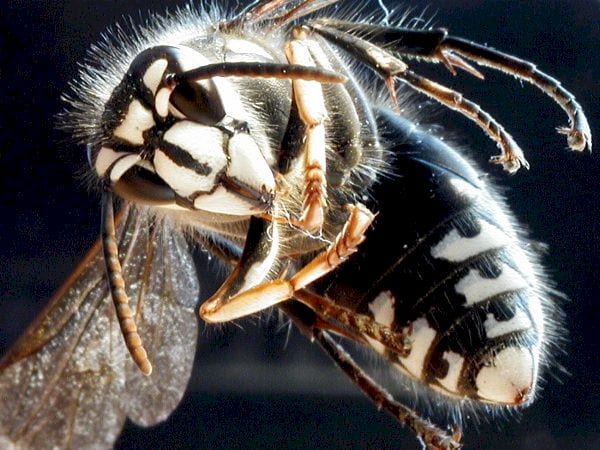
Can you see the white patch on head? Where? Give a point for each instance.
(247, 164)
(243, 48)
(509, 378)
(105, 158)
(495, 328)
(154, 74)
(465, 188)
(123, 165)
(422, 336)
(456, 248)
(225, 202)
(181, 179)
(188, 59)
(137, 120)
(161, 101)
(204, 144)
(455, 365)
(476, 289)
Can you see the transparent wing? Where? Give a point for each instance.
(69, 382)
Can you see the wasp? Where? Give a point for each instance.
(258, 136)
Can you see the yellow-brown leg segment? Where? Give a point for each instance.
(221, 309)
(309, 98)
(397, 341)
(511, 158)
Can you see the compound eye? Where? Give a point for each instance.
(143, 186)
(198, 101)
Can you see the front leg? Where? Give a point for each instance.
(222, 307)
(310, 101)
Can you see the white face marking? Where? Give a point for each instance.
(422, 337)
(182, 180)
(106, 156)
(475, 288)
(137, 120)
(189, 59)
(495, 328)
(225, 202)
(203, 144)
(161, 101)
(123, 165)
(247, 163)
(455, 365)
(510, 377)
(154, 74)
(456, 248)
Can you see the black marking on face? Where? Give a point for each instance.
(184, 159)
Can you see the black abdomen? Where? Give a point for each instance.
(443, 259)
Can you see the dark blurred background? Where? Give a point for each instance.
(251, 387)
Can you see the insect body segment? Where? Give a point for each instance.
(254, 138)
(453, 282)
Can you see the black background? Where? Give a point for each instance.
(249, 389)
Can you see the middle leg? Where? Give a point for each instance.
(221, 308)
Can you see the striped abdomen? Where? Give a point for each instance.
(444, 263)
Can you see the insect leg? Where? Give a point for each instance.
(310, 100)
(397, 341)
(389, 68)
(511, 156)
(255, 264)
(117, 287)
(351, 131)
(223, 307)
(428, 433)
(438, 46)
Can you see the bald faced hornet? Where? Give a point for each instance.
(254, 137)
